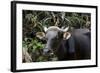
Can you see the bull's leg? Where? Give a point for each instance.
(71, 49)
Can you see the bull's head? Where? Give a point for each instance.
(54, 36)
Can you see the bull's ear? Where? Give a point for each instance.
(40, 35)
(66, 35)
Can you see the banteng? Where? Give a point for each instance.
(67, 45)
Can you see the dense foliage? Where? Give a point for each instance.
(33, 21)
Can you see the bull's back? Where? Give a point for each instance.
(82, 43)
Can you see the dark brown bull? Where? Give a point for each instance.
(67, 46)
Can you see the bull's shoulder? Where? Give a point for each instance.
(81, 31)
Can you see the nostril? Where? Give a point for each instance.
(46, 51)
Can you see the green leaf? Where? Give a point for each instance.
(34, 47)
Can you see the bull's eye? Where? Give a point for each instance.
(57, 37)
(54, 40)
(46, 39)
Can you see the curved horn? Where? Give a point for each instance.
(55, 27)
(45, 28)
(66, 29)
